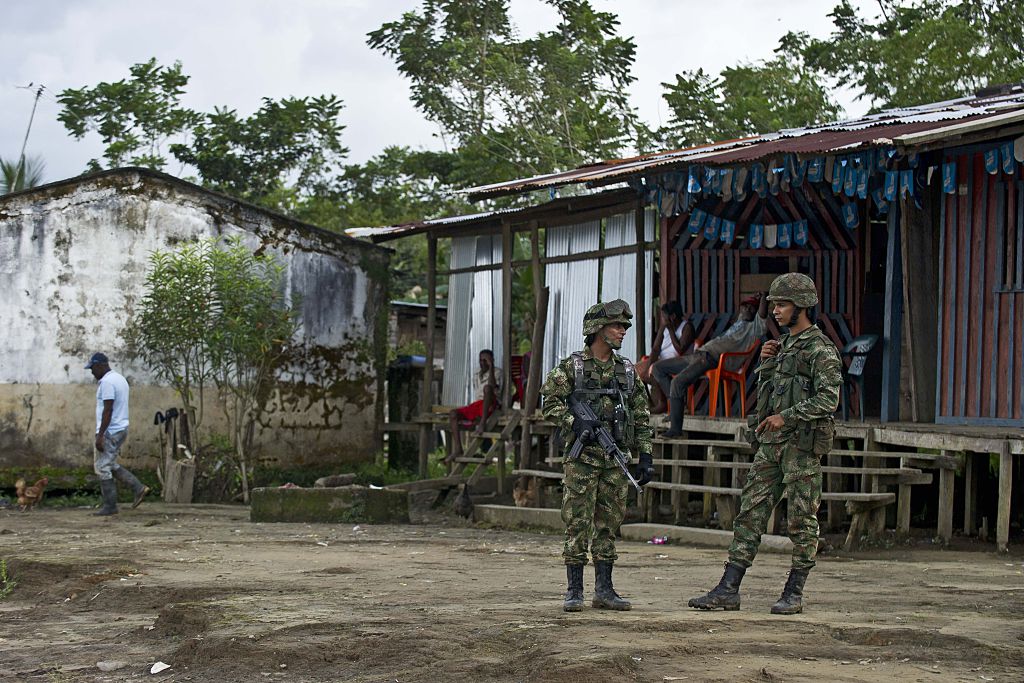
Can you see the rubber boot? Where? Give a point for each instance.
(139, 490)
(108, 490)
(605, 596)
(675, 414)
(574, 596)
(791, 601)
(726, 595)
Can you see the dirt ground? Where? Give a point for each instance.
(221, 599)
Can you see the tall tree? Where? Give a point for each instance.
(744, 100)
(134, 117)
(922, 51)
(516, 106)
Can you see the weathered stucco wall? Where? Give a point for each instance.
(73, 261)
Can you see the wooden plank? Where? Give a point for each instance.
(979, 280)
(640, 312)
(993, 301)
(970, 499)
(1005, 494)
(950, 305)
(506, 313)
(920, 303)
(426, 431)
(942, 319)
(964, 308)
(945, 524)
(892, 342)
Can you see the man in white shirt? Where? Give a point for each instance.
(486, 392)
(673, 340)
(111, 432)
(687, 369)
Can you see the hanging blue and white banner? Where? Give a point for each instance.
(711, 227)
(800, 230)
(739, 184)
(816, 170)
(862, 183)
(755, 235)
(757, 181)
(1006, 152)
(785, 234)
(800, 173)
(850, 181)
(716, 182)
(771, 236)
(992, 161)
(949, 177)
(880, 203)
(838, 175)
(851, 216)
(892, 181)
(912, 159)
(728, 231)
(696, 221)
(693, 182)
(906, 183)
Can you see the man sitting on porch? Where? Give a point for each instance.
(486, 392)
(748, 328)
(673, 340)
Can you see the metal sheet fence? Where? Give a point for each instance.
(618, 278)
(573, 288)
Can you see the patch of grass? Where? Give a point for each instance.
(7, 582)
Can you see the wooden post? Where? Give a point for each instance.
(920, 258)
(540, 308)
(506, 334)
(1005, 489)
(903, 508)
(970, 501)
(427, 428)
(946, 479)
(641, 284)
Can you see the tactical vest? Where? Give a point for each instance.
(587, 387)
(791, 382)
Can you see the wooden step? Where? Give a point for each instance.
(725, 443)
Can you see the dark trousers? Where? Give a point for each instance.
(687, 369)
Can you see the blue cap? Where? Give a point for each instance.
(97, 359)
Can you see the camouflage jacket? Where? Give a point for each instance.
(801, 384)
(560, 384)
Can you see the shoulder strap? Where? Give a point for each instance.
(577, 367)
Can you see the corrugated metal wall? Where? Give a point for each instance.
(981, 319)
(618, 278)
(573, 288)
(473, 299)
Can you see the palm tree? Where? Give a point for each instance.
(20, 175)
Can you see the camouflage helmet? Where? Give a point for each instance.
(795, 287)
(600, 315)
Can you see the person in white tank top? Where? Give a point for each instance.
(674, 338)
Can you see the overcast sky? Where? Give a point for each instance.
(238, 51)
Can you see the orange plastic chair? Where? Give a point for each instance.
(721, 377)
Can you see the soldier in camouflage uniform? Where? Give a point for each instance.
(798, 385)
(595, 488)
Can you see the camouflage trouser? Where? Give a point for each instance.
(778, 468)
(593, 505)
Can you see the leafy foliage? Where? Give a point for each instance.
(134, 117)
(25, 173)
(923, 51)
(214, 314)
(744, 100)
(513, 106)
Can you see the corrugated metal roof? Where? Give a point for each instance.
(880, 129)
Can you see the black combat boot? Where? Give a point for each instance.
(139, 490)
(726, 595)
(791, 601)
(605, 596)
(574, 596)
(675, 416)
(108, 490)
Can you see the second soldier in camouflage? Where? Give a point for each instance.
(595, 488)
(798, 384)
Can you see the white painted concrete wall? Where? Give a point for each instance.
(73, 261)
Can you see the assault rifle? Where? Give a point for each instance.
(581, 410)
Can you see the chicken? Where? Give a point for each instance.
(29, 496)
(524, 492)
(463, 503)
